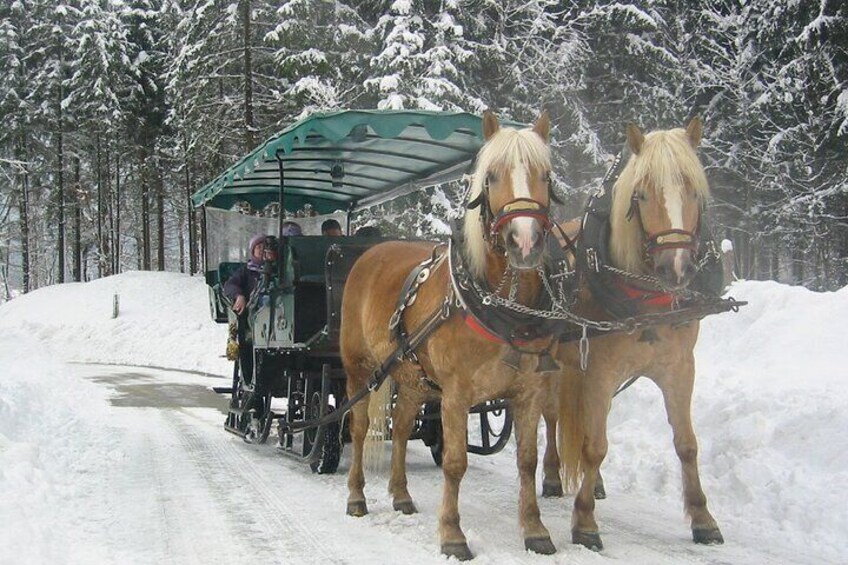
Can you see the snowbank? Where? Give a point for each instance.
(163, 321)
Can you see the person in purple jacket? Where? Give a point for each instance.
(242, 283)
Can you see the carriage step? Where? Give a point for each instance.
(222, 389)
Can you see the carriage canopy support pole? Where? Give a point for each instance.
(281, 270)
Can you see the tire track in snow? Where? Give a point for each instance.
(250, 495)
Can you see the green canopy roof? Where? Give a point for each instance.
(350, 159)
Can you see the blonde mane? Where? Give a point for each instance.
(667, 161)
(505, 150)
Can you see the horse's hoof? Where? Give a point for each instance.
(600, 492)
(543, 546)
(405, 506)
(459, 550)
(357, 508)
(707, 536)
(552, 490)
(589, 540)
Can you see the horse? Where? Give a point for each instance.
(644, 254)
(503, 238)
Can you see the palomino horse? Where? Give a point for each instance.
(504, 238)
(654, 251)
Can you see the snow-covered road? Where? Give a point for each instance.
(185, 491)
(120, 464)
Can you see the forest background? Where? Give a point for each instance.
(115, 111)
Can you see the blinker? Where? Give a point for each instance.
(476, 202)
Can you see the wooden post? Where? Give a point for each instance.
(115, 305)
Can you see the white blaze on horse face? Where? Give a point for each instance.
(522, 227)
(674, 209)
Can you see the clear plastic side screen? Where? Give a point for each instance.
(228, 233)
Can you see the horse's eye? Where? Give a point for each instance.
(641, 196)
(491, 177)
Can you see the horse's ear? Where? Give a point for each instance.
(543, 125)
(490, 124)
(635, 139)
(694, 131)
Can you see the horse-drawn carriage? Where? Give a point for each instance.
(288, 370)
(479, 319)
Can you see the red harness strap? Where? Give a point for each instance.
(477, 326)
(652, 297)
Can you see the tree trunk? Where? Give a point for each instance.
(102, 240)
(145, 211)
(77, 192)
(23, 211)
(116, 247)
(248, 78)
(797, 265)
(160, 216)
(181, 241)
(775, 263)
(190, 218)
(60, 196)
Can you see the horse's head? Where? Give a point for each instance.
(657, 204)
(510, 195)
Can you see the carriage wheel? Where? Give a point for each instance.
(437, 449)
(311, 412)
(495, 428)
(432, 431)
(331, 448)
(250, 411)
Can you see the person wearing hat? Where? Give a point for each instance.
(243, 282)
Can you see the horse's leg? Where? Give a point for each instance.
(677, 394)
(454, 465)
(597, 396)
(600, 490)
(551, 482)
(358, 429)
(403, 420)
(527, 408)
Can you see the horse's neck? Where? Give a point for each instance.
(529, 284)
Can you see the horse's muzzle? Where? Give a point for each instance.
(674, 267)
(525, 242)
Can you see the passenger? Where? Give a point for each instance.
(331, 227)
(368, 231)
(291, 228)
(243, 282)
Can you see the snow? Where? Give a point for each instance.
(87, 478)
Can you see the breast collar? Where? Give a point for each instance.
(494, 322)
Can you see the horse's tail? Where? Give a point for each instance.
(571, 428)
(379, 410)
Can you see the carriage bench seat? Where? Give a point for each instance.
(310, 256)
(215, 279)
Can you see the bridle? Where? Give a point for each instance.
(657, 242)
(493, 222)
